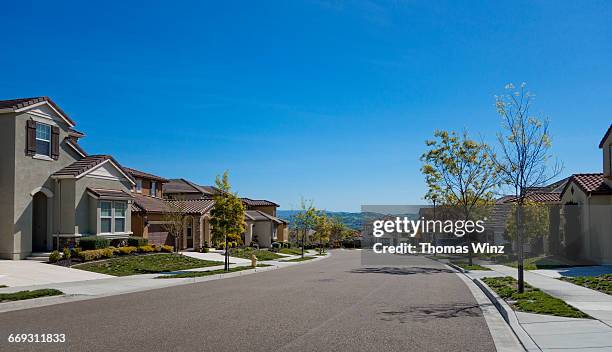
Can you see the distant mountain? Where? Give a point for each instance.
(351, 220)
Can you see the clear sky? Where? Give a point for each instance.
(328, 100)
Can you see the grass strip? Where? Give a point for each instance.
(300, 259)
(208, 273)
(145, 264)
(472, 267)
(532, 300)
(260, 254)
(601, 283)
(21, 295)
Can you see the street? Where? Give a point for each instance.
(333, 304)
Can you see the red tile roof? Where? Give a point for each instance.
(109, 193)
(24, 102)
(148, 204)
(142, 174)
(544, 197)
(605, 136)
(591, 183)
(258, 202)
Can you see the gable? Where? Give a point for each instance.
(46, 112)
(107, 171)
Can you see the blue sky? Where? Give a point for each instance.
(327, 100)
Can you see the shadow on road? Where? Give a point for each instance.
(400, 271)
(440, 311)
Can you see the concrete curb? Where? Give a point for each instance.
(67, 298)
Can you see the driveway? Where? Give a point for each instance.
(15, 273)
(329, 305)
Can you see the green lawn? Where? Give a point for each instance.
(532, 300)
(261, 254)
(601, 283)
(208, 273)
(292, 251)
(300, 259)
(21, 295)
(145, 264)
(541, 262)
(468, 267)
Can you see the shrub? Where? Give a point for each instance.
(146, 249)
(136, 241)
(204, 249)
(276, 245)
(107, 252)
(76, 252)
(90, 255)
(94, 242)
(54, 256)
(168, 249)
(66, 254)
(221, 245)
(127, 250)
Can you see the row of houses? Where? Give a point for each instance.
(54, 192)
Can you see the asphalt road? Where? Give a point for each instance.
(330, 305)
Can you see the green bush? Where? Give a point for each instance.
(76, 252)
(66, 254)
(90, 255)
(107, 252)
(135, 241)
(127, 250)
(204, 249)
(94, 242)
(276, 245)
(54, 256)
(168, 249)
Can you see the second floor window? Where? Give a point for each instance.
(139, 186)
(43, 139)
(153, 188)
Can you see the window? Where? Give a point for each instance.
(120, 208)
(43, 139)
(106, 216)
(112, 216)
(139, 186)
(154, 188)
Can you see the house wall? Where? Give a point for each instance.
(29, 174)
(268, 209)
(7, 184)
(607, 160)
(146, 187)
(263, 231)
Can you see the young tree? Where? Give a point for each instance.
(174, 220)
(338, 230)
(523, 158)
(459, 172)
(304, 220)
(227, 215)
(323, 225)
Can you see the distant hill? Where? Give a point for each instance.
(351, 220)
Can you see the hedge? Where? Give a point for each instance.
(136, 241)
(94, 242)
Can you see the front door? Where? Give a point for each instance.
(189, 234)
(39, 222)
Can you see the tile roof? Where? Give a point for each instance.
(150, 204)
(85, 164)
(200, 206)
(144, 203)
(25, 102)
(109, 193)
(257, 215)
(181, 185)
(258, 202)
(142, 174)
(591, 183)
(605, 136)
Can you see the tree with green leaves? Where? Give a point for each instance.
(459, 172)
(323, 226)
(173, 220)
(338, 230)
(227, 216)
(523, 159)
(304, 221)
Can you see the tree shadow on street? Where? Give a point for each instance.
(434, 311)
(400, 271)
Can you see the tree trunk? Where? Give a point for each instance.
(519, 240)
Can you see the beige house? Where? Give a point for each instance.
(53, 192)
(587, 209)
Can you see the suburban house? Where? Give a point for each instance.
(262, 225)
(52, 191)
(586, 203)
(150, 211)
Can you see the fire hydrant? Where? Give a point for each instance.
(253, 261)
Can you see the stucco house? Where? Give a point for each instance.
(52, 191)
(586, 209)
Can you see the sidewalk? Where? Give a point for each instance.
(552, 333)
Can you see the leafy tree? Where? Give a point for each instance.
(323, 225)
(535, 221)
(459, 172)
(304, 220)
(524, 158)
(227, 216)
(338, 230)
(173, 220)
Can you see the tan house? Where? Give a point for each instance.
(587, 207)
(53, 192)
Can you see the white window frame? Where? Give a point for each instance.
(107, 216)
(116, 216)
(153, 191)
(48, 127)
(138, 186)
